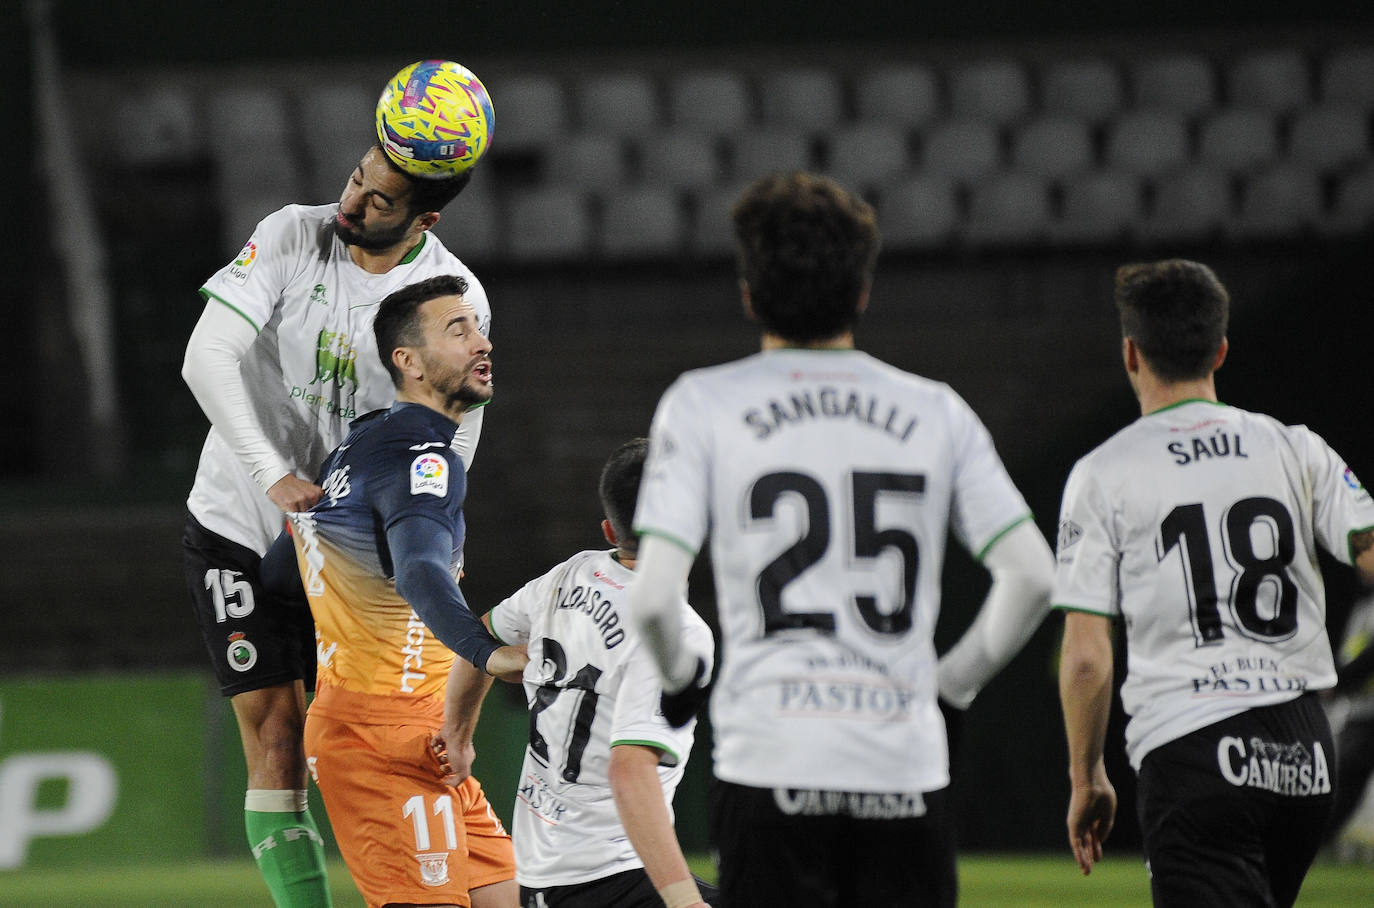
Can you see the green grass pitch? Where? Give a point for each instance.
(1003, 881)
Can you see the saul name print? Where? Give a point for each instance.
(1207, 447)
(809, 404)
(598, 607)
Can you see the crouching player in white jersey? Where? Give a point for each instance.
(593, 815)
(1198, 525)
(281, 360)
(828, 481)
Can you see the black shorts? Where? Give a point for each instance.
(628, 889)
(789, 847)
(254, 641)
(1233, 814)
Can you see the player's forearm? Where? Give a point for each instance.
(211, 370)
(1022, 570)
(1362, 547)
(644, 813)
(1085, 691)
(467, 687)
(656, 601)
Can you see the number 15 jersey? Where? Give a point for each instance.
(827, 480)
(1198, 524)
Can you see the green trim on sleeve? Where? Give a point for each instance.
(207, 296)
(1350, 540)
(1002, 532)
(1061, 607)
(649, 531)
(487, 620)
(669, 756)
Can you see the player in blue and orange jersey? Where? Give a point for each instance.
(379, 557)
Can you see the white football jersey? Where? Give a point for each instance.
(590, 685)
(314, 366)
(1198, 525)
(827, 480)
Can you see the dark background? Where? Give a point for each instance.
(89, 556)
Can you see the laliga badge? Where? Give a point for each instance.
(429, 475)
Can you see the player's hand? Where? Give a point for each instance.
(681, 707)
(508, 663)
(1092, 811)
(455, 755)
(291, 494)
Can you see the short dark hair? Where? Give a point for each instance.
(428, 194)
(619, 488)
(1176, 312)
(397, 324)
(806, 249)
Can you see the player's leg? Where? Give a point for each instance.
(771, 858)
(907, 857)
(261, 652)
(491, 857)
(1355, 756)
(1298, 823)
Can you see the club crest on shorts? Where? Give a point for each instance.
(433, 868)
(429, 475)
(242, 654)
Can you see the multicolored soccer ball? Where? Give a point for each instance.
(434, 119)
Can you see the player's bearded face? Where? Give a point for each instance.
(372, 237)
(467, 385)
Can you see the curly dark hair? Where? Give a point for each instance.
(807, 248)
(1176, 312)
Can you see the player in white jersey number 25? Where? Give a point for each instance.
(829, 481)
(1198, 525)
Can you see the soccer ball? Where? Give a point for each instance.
(434, 119)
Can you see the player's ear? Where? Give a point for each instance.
(747, 301)
(1130, 355)
(427, 221)
(1221, 354)
(609, 532)
(406, 362)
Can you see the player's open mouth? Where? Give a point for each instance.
(482, 370)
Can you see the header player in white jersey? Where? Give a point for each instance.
(828, 481)
(593, 814)
(281, 360)
(1198, 524)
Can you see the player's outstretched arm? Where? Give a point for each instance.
(638, 794)
(210, 369)
(656, 600)
(1085, 692)
(1022, 569)
(452, 744)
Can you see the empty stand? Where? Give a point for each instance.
(962, 148)
(1239, 139)
(156, 124)
(868, 155)
(1279, 202)
(1089, 88)
(1053, 146)
(807, 98)
(1179, 83)
(587, 160)
(1099, 207)
(1190, 205)
(919, 212)
(1329, 138)
(680, 158)
(531, 111)
(551, 223)
(1278, 80)
(1011, 208)
(998, 90)
(903, 95)
(338, 125)
(618, 104)
(712, 234)
(1352, 208)
(1347, 77)
(1147, 141)
(761, 151)
(717, 101)
(642, 221)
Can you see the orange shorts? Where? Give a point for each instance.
(405, 835)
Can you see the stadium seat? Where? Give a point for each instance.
(1281, 202)
(1010, 209)
(1190, 205)
(762, 151)
(1053, 146)
(965, 149)
(531, 112)
(1238, 139)
(156, 125)
(996, 89)
(1099, 207)
(1347, 77)
(470, 225)
(249, 118)
(642, 221)
(1179, 83)
(680, 158)
(1088, 88)
(1278, 80)
(548, 224)
(712, 235)
(902, 95)
(617, 104)
(1329, 137)
(1352, 208)
(589, 160)
(1147, 141)
(919, 212)
(338, 118)
(867, 155)
(716, 101)
(801, 98)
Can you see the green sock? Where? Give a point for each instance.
(288, 848)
